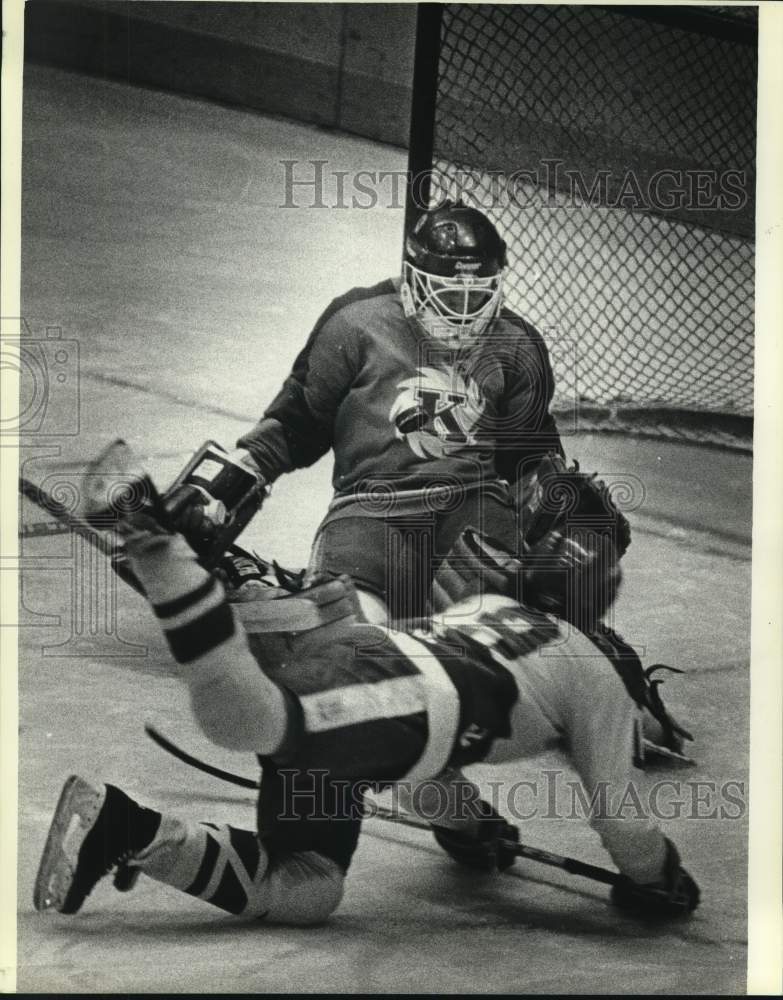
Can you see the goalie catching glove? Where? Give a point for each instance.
(574, 576)
(573, 537)
(560, 498)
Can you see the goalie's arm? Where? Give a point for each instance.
(297, 427)
(527, 431)
(295, 431)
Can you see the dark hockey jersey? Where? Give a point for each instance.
(404, 410)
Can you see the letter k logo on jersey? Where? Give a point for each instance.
(436, 412)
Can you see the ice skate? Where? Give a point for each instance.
(94, 830)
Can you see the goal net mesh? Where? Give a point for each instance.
(616, 155)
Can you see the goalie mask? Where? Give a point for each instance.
(452, 272)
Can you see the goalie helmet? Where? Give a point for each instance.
(452, 272)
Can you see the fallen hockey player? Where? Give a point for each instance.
(368, 706)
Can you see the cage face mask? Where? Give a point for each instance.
(462, 306)
(452, 274)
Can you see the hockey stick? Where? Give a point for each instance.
(200, 765)
(70, 522)
(44, 529)
(570, 865)
(65, 521)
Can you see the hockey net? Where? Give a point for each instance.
(616, 154)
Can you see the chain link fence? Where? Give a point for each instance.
(616, 154)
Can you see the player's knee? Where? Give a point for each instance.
(301, 889)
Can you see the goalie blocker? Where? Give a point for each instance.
(213, 499)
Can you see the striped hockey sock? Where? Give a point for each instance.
(215, 863)
(231, 869)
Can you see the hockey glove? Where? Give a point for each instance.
(560, 497)
(493, 848)
(188, 507)
(676, 895)
(213, 498)
(575, 576)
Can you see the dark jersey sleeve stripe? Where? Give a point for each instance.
(198, 637)
(167, 609)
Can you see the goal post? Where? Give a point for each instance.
(614, 147)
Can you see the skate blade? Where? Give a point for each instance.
(656, 754)
(73, 819)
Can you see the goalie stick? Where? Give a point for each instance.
(44, 529)
(101, 539)
(570, 865)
